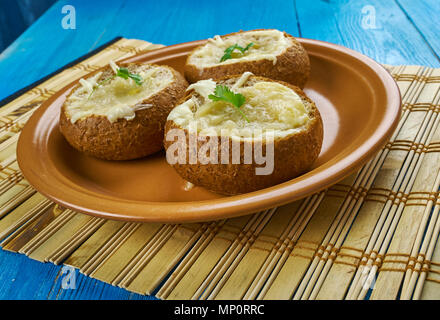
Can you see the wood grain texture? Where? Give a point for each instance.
(169, 22)
(391, 39)
(16, 16)
(420, 16)
(405, 34)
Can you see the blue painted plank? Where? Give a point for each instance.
(182, 21)
(424, 16)
(46, 46)
(376, 28)
(23, 278)
(16, 270)
(91, 289)
(12, 23)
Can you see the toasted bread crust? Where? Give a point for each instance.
(292, 66)
(125, 139)
(293, 155)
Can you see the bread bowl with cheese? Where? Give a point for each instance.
(208, 138)
(119, 112)
(266, 52)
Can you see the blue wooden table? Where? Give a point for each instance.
(392, 32)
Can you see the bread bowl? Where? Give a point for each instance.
(208, 141)
(119, 113)
(266, 52)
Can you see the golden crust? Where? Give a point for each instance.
(125, 139)
(293, 155)
(292, 66)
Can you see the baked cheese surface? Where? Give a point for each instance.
(115, 97)
(267, 44)
(269, 106)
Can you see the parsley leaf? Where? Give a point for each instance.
(223, 93)
(123, 73)
(228, 51)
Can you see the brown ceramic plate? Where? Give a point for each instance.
(358, 100)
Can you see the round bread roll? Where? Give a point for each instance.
(208, 138)
(119, 113)
(266, 52)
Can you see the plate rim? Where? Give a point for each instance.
(233, 206)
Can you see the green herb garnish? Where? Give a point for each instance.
(225, 94)
(122, 73)
(230, 50)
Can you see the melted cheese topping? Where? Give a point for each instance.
(116, 98)
(267, 44)
(188, 186)
(269, 107)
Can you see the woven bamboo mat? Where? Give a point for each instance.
(373, 235)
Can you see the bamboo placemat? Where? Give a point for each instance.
(373, 235)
